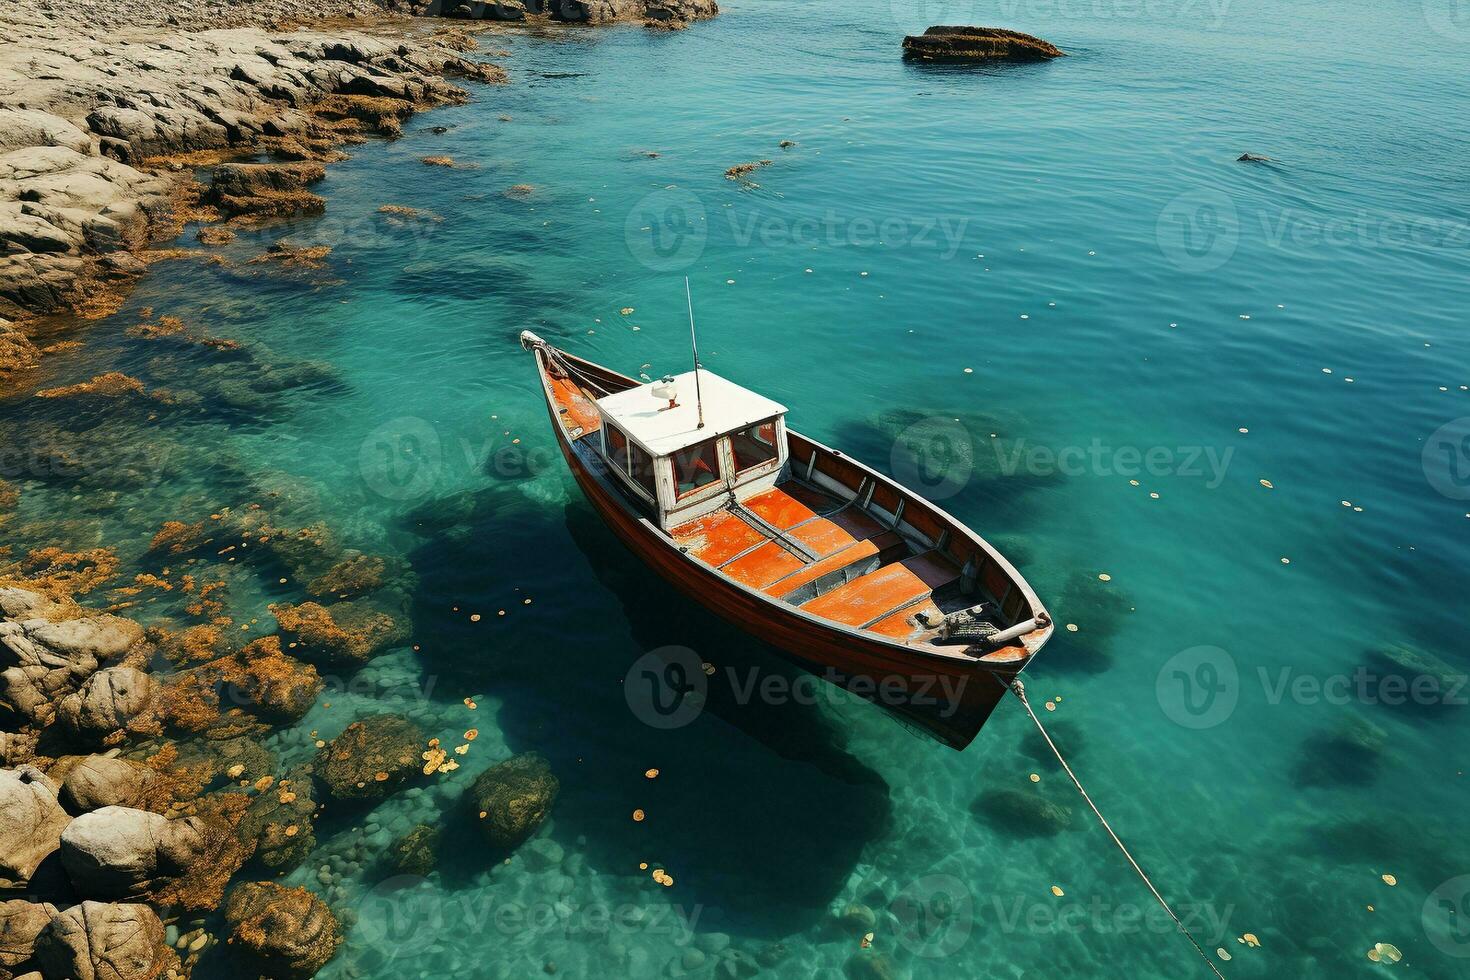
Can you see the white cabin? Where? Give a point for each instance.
(681, 469)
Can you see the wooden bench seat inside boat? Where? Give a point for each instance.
(856, 571)
(878, 595)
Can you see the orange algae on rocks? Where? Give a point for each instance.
(59, 574)
(113, 384)
(288, 932)
(344, 633)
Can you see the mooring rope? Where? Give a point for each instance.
(1019, 690)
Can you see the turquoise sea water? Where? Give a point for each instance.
(1021, 288)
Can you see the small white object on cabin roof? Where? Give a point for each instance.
(662, 431)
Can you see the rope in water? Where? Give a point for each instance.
(1019, 690)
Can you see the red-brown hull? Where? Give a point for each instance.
(950, 699)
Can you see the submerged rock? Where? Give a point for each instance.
(1021, 813)
(99, 941)
(371, 758)
(871, 965)
(977, 44)
(512, 798)
(1347, 755)
(285, 932)
(280, 821)
(259, 679)
(31, 823)
(345, 633)
(413, 853)
(351, 576)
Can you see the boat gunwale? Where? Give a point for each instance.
(926, 651)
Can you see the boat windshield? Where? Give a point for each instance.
(617, 447)
(754, 446)
(696, 467)
(641, 470)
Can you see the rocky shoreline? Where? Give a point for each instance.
(142, 816)
(106, 112)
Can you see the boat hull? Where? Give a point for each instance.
(948, 698)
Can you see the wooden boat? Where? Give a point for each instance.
(860, 579)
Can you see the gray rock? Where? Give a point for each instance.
(41, 661)
(246, 179)
(30, 127)
(119, 852)
(31, 823)
(106, 702)
(81, 99)
(98, 941)
(23, 604)
(99, 781)
(103, 636)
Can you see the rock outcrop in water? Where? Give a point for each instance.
(99, 118)
(511, 799)
(371, 758)
(977, 44)
(98, 941)
(663, 13)
(287, 932)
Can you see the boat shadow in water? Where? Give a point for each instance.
(745, 776)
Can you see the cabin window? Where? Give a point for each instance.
(641, 469)
(754, 446)
(696, 467)
(617, 447)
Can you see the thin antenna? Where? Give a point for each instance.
(694, 342)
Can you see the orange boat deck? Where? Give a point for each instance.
(832, 561)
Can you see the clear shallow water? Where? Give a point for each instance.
(1078, 234)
